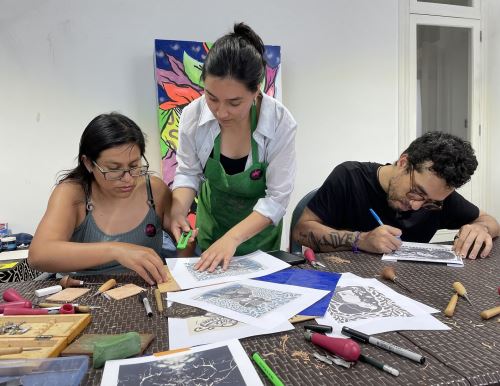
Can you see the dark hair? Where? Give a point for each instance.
(239, 55)
(103, 132)
(452, 157)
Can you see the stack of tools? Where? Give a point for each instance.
(459, 290)
(389, 273)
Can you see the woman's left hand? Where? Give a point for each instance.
(219, 252)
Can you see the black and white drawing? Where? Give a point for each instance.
(237, 267)
(223, 363)
(422, 252)
(352, 303)
(248, 266)
(247, 300)
(210, 322)
(212, 367)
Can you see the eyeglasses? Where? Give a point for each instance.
(415, 195)
(118, 174)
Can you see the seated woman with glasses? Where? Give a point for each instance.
(413, 198)
(107, 213)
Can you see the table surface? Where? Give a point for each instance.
(467, 354)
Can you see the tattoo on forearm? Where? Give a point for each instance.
(334, 241)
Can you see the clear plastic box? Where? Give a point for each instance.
(66, 371)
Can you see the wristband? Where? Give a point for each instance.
(355, 242)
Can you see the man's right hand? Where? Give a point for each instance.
(145, 261)
(384, 239)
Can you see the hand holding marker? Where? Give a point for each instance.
(377, 219)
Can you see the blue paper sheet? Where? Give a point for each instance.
(310, 279)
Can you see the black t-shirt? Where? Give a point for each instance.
(345, 198)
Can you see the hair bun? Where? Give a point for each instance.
(243, 31)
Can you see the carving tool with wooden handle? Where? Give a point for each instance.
(457, 286)
(389, 273)
(68, 282)
(106, 286)
(15, 350)
(450, 309)
(487, 314)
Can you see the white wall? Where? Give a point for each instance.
(491, 40)
(63, 62)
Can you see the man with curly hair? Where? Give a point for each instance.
(414, 197)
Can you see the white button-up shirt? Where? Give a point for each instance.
(275, 137)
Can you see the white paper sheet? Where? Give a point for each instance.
(371, 307)
(261, 304)
(203, 365)
(241, 267)
(212, 328)
(18, 254)
(421, 252)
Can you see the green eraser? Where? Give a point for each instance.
(116, 347)
(183, 240)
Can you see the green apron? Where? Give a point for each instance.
(225, 200)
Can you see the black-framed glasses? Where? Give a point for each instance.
(118, 174)
(416, 195)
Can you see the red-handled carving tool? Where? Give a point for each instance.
(311, 258)
(11, 295)
(344, 348)
(24, 311)
(22, 304)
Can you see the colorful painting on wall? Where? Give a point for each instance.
(178, 76)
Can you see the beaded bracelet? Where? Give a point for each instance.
(355, 242)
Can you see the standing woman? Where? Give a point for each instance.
(107, 213)
(239, 145)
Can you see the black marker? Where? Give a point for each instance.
(379, 365)
(360, 337)
(145, 301)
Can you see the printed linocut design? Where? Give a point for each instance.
(247, 300)
(421, 253)
(237, 267)
(353, 303)
(209, 322)
(210, 367)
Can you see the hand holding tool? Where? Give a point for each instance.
(67, 282)
(389, 273)
(487, 314)
(11, 295)
(344, 348)
(183, 240)
(450, 309)
(311, 258)
(15, 350)
(106, 286)
(461, 290)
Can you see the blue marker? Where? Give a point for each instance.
(376, 217)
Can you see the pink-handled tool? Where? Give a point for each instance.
(344, 348)
(22, 304)
(11, 295)
(311, 258)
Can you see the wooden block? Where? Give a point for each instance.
(85, 344)
(170, 285)
(68, 295)
(124, 291)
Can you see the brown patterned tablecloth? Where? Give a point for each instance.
(468, 354)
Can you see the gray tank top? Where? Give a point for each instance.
(148, 233)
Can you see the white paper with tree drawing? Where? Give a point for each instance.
(372, 307)
(248, 266)
(422, 252)
(223, 363)
(261, 304)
